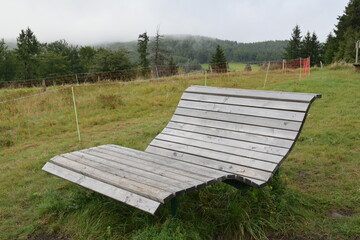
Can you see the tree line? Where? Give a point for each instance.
(192, 50)
(304, 47)
(339, 45)
(32, 59)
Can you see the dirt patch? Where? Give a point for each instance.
(341, 213)
(49, 236)
(275, 236)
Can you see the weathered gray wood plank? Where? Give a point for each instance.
(157, 169)
(243, 101)
(287, 96)
(251, 111)
(238, 127)
(220, 156)
(237, 118)
(226, 141)
(254, 175)
(222, 148)
(251, 138)
(171, 165)
(116, 193)
(135, 174)
(142, 189)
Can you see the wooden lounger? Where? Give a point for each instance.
(216, 134)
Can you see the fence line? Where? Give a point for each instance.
(125, 75)
(266, 65)
(85, 132)
(34, 95)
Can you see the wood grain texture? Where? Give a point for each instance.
(116, 193)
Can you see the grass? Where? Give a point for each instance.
(316, 196)
(236, 67)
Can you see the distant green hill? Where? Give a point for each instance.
(198, 49)
(11, 45)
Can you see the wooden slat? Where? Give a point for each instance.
(243, 101)
(237, 118)
(135, 174)
(250, 111)
(226, 141)
(157, 169)
(142, 189)
(254, 175)
(222, 148)
(220, 156)
(287, 96)
(172, 165)
(283, 143)
(265, 131)
(116, 193)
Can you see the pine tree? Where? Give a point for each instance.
(8, 63)
(293, 49)
(306, 46)
(142, 44)
(218, 61)
(316, 50)
(3, 50)
(159, 57)
(330, 48)
(347, 32)
(28, 49)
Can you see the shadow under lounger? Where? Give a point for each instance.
(215, 134)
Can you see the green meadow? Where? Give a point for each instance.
(315, 196)
(236, 67)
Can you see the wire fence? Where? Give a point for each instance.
(158, 71)
(105, 107)
(148, 74)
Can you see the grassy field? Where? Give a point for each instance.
(236, 67)
(316, 195)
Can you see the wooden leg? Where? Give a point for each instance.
(174, 208)
(236, 184)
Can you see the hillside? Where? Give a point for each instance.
(198, 49)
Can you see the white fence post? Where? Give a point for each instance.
(266, 76)
(76, 116)
(205, 78)
(300, 70)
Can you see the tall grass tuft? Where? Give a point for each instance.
(340, 65)
(110, 101)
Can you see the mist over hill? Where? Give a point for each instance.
(190, 49)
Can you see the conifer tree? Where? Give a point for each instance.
(306, 46)
(142, 44)
(28, 49)
(159, 57)
(218, 61)
(330, 49)
(316, 50)
(347, 32)
(293, 49)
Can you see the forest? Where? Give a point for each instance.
(189, 49)
(30, 59)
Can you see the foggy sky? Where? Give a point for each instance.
(93, 21)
